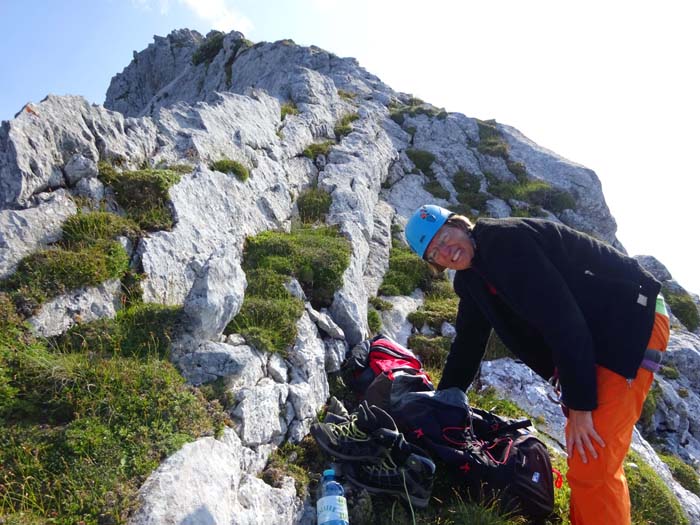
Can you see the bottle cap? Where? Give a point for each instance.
(328, 472)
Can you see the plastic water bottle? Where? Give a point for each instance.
(331, 507)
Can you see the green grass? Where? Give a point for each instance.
(669, 372)
(649, 407)
(344, 125)
(146, 329)
(422, 159)
(683, 307)
(488, 399)
(288, 108)
(406, 271)
(303, 462)
(208, 49)
(415, 106)
(440, 306)
(467, 186)
(46, 274)
(534, 192)
(374, 321)
(231, 167)
(143, 194)
(347, 95)
(80, 430)
(312, 151)
(436, 190)
(316, 257)
(652, 501)
(380, 304)
(86, 228)
(313, 205)
(432, 350)
(490, 140)
(682, 473)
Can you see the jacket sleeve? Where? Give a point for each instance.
(468, 347)
(537, 292)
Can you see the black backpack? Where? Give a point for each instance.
(494, 456)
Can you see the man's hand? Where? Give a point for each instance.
(581, 435)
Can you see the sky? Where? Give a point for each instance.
(611, 85)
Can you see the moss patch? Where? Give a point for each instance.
(440, 305)
(431, 350)
(313, 205)
(682, 473)
(344, 125)
(422, 159)
(649, 407)
(652, 501)
(53, 272)
(231, 167)
(683, 307)
(490, 140)
(374, 321)
(534, 192)
(209, 48)
(303, 462)
(143, 194)
(380, 304)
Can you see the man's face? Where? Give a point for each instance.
(451, 248)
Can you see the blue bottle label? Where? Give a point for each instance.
(331, 508)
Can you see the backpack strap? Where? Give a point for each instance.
(510, 427)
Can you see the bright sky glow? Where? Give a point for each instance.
(611, 85)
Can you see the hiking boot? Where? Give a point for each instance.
(336, 412)
(366, 436)
(407, 473)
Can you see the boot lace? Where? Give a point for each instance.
(349, 429)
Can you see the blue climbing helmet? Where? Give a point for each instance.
(423, 225)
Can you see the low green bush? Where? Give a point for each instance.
(436, 190)
(231, 167)
(208, 49)
(651, 499)
(303, 462)
(440, 306)
(415, 106)
(313, 205)
(81, 432)
(145, 329)
(422, 159)
(490, 140)
(518, 169)
(86, 228)
(288, 108)
(683, 307)
(312, 151)
(143, 194)
(380, 304)
(669, 372)
(46, 274)
(534, 192)
(344, 125)
(317, 257)
(682, 473)
(432, 350)
(649, 407)
(406, 272)
(347, 95)
(374, 321)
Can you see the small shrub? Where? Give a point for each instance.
(518, 169)
(143, 194)
(683, 392)
(380, 304)
(296, 461)
(440, 306)
(406, 272)
(85, 228)
(268, 324)
(53, 272)
(436, 190)
(422, 159)
(208, 49)
(312, 151)
(534, 192)
(374, 320)
(649, 407)
(344, 125)
(431, 350)
(313, 205)
(652, 501)
(231, 167)
(683, 307)
(288, 108)
(682, 473)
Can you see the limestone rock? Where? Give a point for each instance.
(81, 305)
(241, 366)
(394, 322)
(652, 265)
(24, 231)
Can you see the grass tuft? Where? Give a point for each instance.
(406, 272)
(312, 151)
(231, 167)
(683, 307)
(288, 108)
(208, 49)
(682, 473)
(490, 140)
(86, 228)
(344, 125)
(143, 194)
(313, 205)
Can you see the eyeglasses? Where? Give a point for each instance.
(439, 243)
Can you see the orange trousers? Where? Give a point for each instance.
(599, 494)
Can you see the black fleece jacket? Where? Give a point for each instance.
(557, 298)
